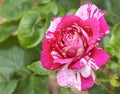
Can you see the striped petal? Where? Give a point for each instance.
(73, 78)
(92, 11)
(79, 64)
(47, 61)
(93, 30)
(69, 78)
(98, 57)
(89, 10)
(62, 60)
(104, 27)
(52, 28)
(69, 20)
(87, 83)
(86, 71)
(46, 45)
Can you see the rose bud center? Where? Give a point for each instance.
(71, 42)
(71, 52)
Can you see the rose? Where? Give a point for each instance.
(71, 46)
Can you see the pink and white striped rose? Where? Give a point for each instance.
(71, 46)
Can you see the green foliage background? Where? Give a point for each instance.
(20, 45)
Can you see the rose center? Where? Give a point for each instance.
(70, 42)
(71, 52)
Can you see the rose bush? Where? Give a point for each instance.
(71, 46)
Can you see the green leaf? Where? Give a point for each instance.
(65, 90)
(69, 4)
(15, 9)
(114, 81)
(110, 50)
(7, 29)
(31, 29)
(113, 14)
(99, 89)
(113, 65)
(11, 59)
(115, 39)
(8, 87)
(44, 1)
(33, 85)
(49, 8)
(38, 68)
(71, 11)
(14, 59)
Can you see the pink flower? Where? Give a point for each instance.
(71, 47)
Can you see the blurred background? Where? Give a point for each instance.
(22, 27)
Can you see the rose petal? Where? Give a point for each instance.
(93, 30)
(85, 71)
(63, 61)
(98, 57)
(89, 10)
(72, 78)
(69, 78)
(55, 55)
(59, 59)
(79, 64)
(47, 61)
(104, 27)
(69, 20)
(87, 83)
(52, 28)
(46, 45)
